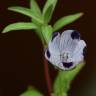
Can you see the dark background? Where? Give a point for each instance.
(21, 52)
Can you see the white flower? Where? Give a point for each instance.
(66, 50)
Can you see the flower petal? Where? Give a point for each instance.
(54, 35)
(67, 65)
(54, 44)
(84, 51)
(78, 53)
(75, 35)
(66, 42)
(54, 59)
(47, 54)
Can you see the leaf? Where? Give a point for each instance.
(19, 26)
(47, 32)
(36, 11)
(64, 79)
(48, 10)
(48, 14)
(54, 2)
(66, 20)
(48, 3)
(31, 92)
(35, 8)
(25, 11)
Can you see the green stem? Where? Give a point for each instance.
(64, 94)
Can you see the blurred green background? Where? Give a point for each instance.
(21, 56)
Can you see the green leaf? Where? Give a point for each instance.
(64, 79)
(48, 14)
(48, 3)
(36, 11)
(35, 8)
(47, 32)
(66, 20)
(31, 92)
(54, 2)
(48, 10)
(25, 11)
(23, 26)
(19, 26)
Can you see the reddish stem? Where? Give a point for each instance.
(47, 76)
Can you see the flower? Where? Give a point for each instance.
(66, 50)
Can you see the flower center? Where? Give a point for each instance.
(65, 57)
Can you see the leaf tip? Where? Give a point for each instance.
(4, 31)
(9, 8)
(80, 14)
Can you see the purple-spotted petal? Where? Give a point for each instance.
(78, 52)
(84, 51)
(54, 45)
(48, 54)
(75, 35)
(66, 42)
(67, 64)
(55, 34)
